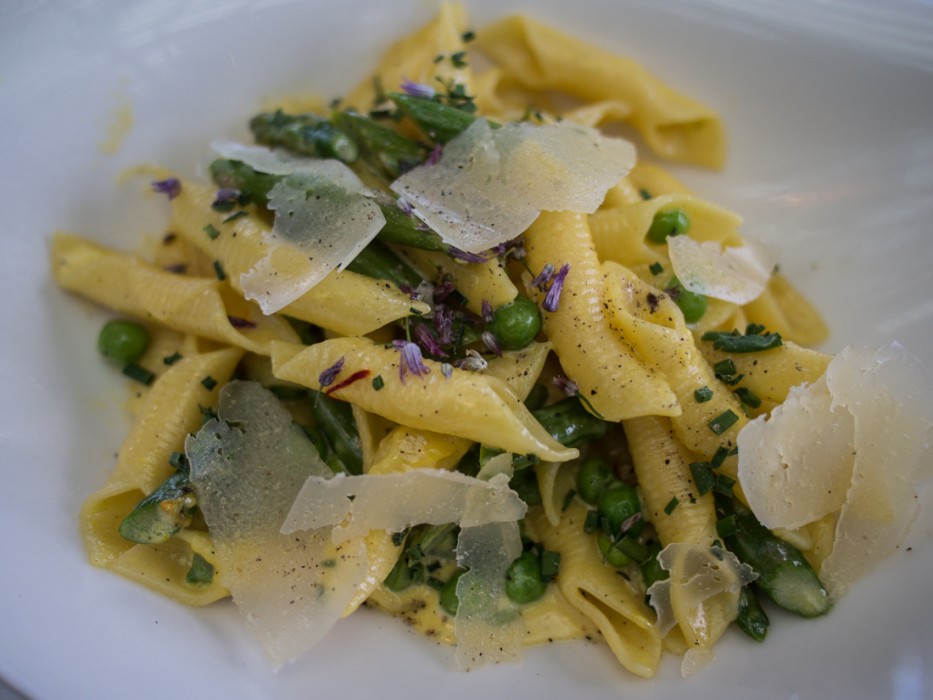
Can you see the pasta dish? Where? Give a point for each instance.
(453, 348)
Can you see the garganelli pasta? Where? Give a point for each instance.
(449, 351)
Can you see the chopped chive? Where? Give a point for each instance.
(724, 367)
(468, 36)
(703, 394)
(209, 382)
(751, 342)
(235, 215)
(645, 194)
(172, 359)
(724, 484)
(219, 271)
(378, 382)
(568, 499)
(656, 268)
(591, 524)
(703, 476)
(207, 413)
(413, 311)
(671, 505)
(550, 565)
(398, 538)
(458, 59)
(727, 526)
(201, 571)
(721, 454)
(211, 231)
(747, 396)
(139, 374)
(723, 421)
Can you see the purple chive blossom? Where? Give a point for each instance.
(515, 248)
(567, 386)
(412, 362)
(405, 207)
(170, 186)
(557, 284)
(226, 197)
(473, 362)
(545, 276)
(443, 290)
(492, 343)
(239, 322)
(447, 370)
(414, 89)
(426, 338)
(435, 155)
(464, 256)
(487, 311)
(629, 522)
(328, 376)
(444, 323)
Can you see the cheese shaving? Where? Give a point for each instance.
(393, 502)
(247, 466)
(487, 625)
(734, 274)
(490, 184)
(323, 218)
(700, 597)
(861, 434)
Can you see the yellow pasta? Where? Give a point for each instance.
(553, 482)
(543, 58)
(603, 364)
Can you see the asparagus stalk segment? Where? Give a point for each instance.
(162, 513)
(439, 121)
(304, 134)
(400, 228)
(386, 149)
(751, 618)
(784, 574)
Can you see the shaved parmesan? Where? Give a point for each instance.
(700, 597)
(489, 184)
(854, 443)
(734, 274)
(323, 218)
(247, 466)
(393, 502)
(487, 625)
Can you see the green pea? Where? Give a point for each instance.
(611, 553)
(523, 581)
(692, 305)
(672, 222)
(123, 342)
(617, 504)
(593, 476)
(516, 324)
(448, 593)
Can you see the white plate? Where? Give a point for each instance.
(830, 116)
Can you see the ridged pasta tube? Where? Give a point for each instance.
(195, 305)
(332, 304)
(607, 600)
(603, 364)
(466, 404)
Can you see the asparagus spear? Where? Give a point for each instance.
(335, 420)
(399, 228)
(386, 149)
(439, 121)
(784, 574)
(162, 513)
(304, 134)
(378, 262)
(752, 619)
